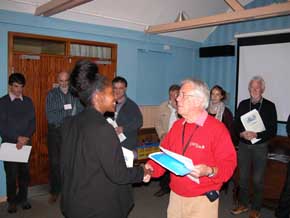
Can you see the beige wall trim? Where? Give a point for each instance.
(3, 199)
(56, 6)
(235, 5)
(273, 10)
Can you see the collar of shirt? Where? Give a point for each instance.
(171, 107)
(13, 97)
(201, 119)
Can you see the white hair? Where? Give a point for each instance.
(200, 90)
(259, 79)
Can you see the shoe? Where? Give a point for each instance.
(161, 192)
(52, 198)
(12, 208)
(254, 214)
(239, 209)
(26, 205)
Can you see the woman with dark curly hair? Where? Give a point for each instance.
(95, 179)
(218, 109)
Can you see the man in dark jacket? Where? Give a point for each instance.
(128, 115)
(17, 124)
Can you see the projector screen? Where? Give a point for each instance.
(269, 57)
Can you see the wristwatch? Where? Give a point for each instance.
(212, 172)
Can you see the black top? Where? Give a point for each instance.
(17, 118)
(95, 180)
(267, 111)
(228, 121)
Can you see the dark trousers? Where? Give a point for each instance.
(164, 182)
(283, 210)
(16, 171)
(254, 156)
(53, 143)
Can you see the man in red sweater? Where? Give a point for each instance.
(207, 142)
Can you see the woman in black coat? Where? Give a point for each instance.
(95, 180)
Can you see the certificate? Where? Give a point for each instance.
(176, 163)
(9, 152)
(252, 121)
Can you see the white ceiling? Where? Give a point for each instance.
(133, 14)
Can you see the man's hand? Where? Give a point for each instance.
(21, 140)
(201, 170)
(119, 130)
(248, 135)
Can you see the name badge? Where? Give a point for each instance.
(67, 107)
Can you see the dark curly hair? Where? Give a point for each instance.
(222, 91)
(85, 80)
(16, 78)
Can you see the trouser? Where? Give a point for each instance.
(254, 156)
(164, 181)
(16, 171)
(53, 143)
(191, 207)
(283, 210)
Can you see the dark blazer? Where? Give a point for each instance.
(130, 118)
(95, 180)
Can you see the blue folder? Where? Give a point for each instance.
(168, 162)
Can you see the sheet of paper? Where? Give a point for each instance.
(129, 157)
(121, 136)
(252, 121)
(9, 152)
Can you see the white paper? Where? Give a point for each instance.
(67, 107)
(252, 121)
(9, 152)
(129, 157)
(121, 136)
(185, 160)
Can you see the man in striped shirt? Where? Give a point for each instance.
(59, 105)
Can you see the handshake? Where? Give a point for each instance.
(148, 170)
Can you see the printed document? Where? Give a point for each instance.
(176, 163)
(9, 152)
(252, 121)
(121, 136)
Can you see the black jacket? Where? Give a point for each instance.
(95, 180)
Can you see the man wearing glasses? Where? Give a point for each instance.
(207, 142)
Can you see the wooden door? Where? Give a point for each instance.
(40, 72)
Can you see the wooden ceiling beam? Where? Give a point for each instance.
(273, 10)
(56, 6)
(235, 5)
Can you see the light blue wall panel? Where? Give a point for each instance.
(222, 70)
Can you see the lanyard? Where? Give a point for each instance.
(190, 137)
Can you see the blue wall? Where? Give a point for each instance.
(134, 60)
(222, 70)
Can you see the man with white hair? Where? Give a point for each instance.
(207, 142)
(254, 154)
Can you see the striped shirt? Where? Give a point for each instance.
(55, 106)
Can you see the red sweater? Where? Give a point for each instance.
(210, 144)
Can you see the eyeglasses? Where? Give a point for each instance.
(182, 95)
